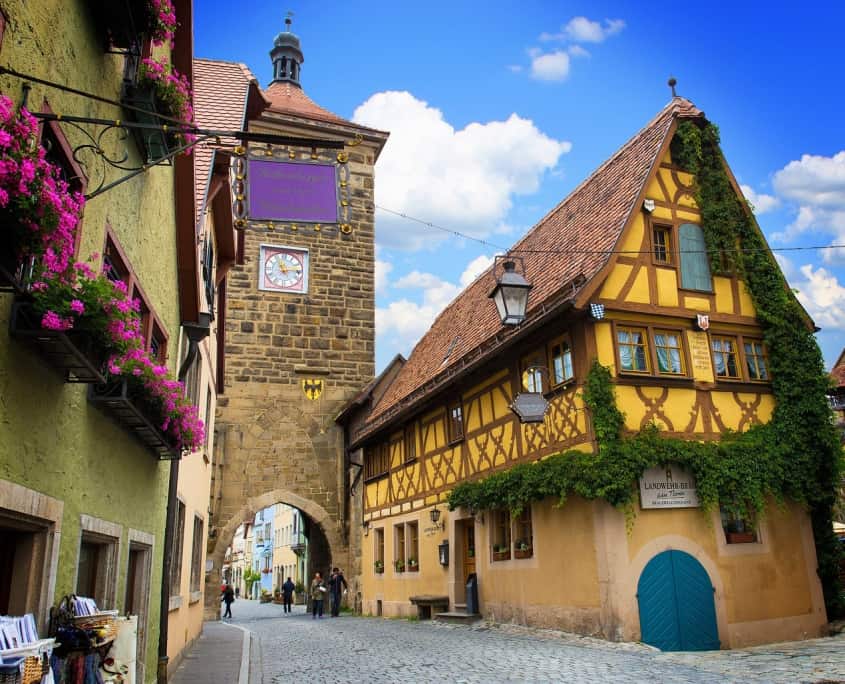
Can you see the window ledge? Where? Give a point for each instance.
(175, 603)
(195, 596)
(670, 380)
(737, 385)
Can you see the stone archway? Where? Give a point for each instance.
(329, 546)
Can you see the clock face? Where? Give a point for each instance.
(284, 269)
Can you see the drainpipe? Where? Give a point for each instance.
(196, 332)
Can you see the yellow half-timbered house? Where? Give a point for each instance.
(620, 275)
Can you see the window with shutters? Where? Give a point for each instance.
(695, 264)
(455, 422)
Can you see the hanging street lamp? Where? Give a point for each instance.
(511, 291)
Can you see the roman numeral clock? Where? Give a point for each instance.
(283, 269)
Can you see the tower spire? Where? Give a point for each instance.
(287, 55)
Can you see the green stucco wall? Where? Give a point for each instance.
(51, 439)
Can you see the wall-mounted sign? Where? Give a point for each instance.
(669, 487)
(531, 407)
(292, 191)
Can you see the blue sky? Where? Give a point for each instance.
(498, 110)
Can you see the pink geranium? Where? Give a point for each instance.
(173, 91)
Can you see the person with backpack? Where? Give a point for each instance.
(287, 594)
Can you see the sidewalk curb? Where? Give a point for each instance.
(243, 674)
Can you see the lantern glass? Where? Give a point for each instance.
(511, 295)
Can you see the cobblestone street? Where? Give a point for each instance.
(347, 649)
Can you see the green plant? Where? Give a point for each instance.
(399, 565)
(412, 562)
(522, 545)
(379, 566)
(299, 587)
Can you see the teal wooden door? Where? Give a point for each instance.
(677, 610)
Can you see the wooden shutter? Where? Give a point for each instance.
(695, 266)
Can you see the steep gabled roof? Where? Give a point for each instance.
(838, 372)
(225, 95)
(589, 222)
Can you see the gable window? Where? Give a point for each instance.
(661, 239)
(725, 357)
(695, 265)
(755, 360)
(410, 443)
(560, 354)
(633, 349)
(667, 347)
(455, 422)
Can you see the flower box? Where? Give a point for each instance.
(523, 553)
(413, 568)
(153, 142)
(72, 352)
(740, 537)
(115, 399)
(501, 555)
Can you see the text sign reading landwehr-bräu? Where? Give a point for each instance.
(669, 487)
(292, 191)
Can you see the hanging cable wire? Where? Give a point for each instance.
(581, 251)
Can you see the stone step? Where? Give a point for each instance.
(461, 606)
(458, 617)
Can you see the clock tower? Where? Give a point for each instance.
(299, 317)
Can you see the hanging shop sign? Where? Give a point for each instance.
(668, 487)
(292, 191)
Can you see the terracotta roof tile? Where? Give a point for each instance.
(591, 219)
(838, 375)
(220, 95)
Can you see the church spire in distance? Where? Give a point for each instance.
(287, 56)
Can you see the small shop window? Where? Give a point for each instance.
(669, 350)
(755, 360)
(523, 547)
(695, 263)
(501, 533)
(196, 555)
(412, 533)
(399, 547)
(560, 354)
(178, 541)
(661, 237)
(725, 357)
(531, 373)
(633, 349)
(410, 443)
(455, 422)
(738, 528)
(378, 550)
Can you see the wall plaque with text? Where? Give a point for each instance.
(668, 487)
(292, 191)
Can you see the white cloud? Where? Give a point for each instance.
(823, 297)
(382, 272)
(551, 66)
(761, 202)
(400, 324)
(515, 68)
(817, 185)
(459, 179)
(578, 51)
(475, 268)
(583, 30)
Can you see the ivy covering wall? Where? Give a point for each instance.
(797, 455)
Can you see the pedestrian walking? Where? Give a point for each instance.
(287, 594)
(318, 594)
(336, 581)
(228, 597)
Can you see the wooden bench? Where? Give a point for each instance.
(427, 602)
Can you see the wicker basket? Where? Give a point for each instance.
(105, 623)
(34, 669)
(10, 671)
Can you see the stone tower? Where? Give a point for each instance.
(300, 328)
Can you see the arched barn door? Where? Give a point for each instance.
(677, 610)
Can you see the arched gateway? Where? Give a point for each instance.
(298, 319)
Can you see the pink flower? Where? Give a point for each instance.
(77, 307)
(52, 321)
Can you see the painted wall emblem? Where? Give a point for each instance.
(313, 388)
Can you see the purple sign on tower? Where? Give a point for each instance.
(292, 191)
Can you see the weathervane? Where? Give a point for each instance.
(288, 19)
(672, 82)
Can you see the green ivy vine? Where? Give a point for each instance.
(797, 455)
